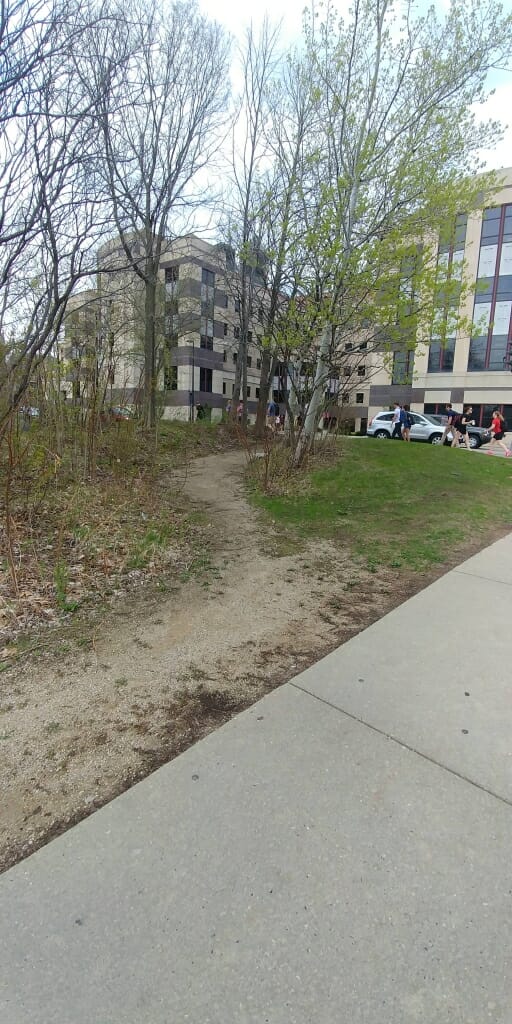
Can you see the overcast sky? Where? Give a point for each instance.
(236, 16)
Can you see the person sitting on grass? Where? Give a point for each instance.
(498, 431)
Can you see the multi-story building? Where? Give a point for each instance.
(472, 366)
(202, 330)
(199, 331)
(198, 328)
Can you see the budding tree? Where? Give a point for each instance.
(395, 95)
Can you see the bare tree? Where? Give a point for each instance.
(160, 123)
(48, 209)
(250, 157)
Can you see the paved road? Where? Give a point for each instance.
(338, 853)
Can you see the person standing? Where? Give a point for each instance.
(272, 412)
(407, 422)
(395, 422)
(498, 431)
(463, 424)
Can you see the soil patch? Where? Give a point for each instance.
(78, 729)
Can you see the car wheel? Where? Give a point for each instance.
(381, 433)
(474, 441)
(435, 439)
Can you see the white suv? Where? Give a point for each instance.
(425, 427)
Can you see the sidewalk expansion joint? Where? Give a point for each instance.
(478, 576)
(404, 745)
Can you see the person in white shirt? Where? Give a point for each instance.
(395, 422)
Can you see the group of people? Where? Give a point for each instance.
(457, 425)
(402, 422)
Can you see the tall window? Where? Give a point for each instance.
(172, 276)
(403, 362)
(490, 344)
(206, 333)
(450, 260)
(205, 379)
(170, 378)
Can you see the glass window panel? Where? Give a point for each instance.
(447, 354)
(501, 320)
(442, 260)
(506, 259)
(498, 351)
(484, 290)
(477, 350)
(460, 231)
(457, 264)
(487, 261)
(492, 213)
(434, 360)
(482, 317)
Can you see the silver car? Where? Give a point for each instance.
(425, 427)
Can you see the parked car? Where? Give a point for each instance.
(118, 413)
(425, 427)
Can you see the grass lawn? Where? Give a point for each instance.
(413, 506)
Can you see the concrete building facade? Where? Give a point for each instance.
(472, 367)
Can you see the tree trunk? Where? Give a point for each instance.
(149, 352)
(267, 367)
(307, 435)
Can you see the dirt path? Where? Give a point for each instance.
(75, 732)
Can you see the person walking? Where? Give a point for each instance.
(498, 426)
(463, 424)
(451, 426)
(395, 423)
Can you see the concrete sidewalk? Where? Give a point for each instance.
(338, 854)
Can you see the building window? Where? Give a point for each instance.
(359, 398)
(363, 346)
(170, 378)
(223, 387)
(172, 275)
(361, 371)
(257, 392)
(236, 333)
(237, 305)
(234, 356)
(249, 336)
(208, 277)
(402, 367)
(347, 370)
(349, 346)
(260, 315)
(224, 356)
(490, 347)
(249, 360)
(206, 333)
(258, 364)
(440, 357)
(225, 330)
(248, 392)
(205, 379)
(224, 302)
(345, 398)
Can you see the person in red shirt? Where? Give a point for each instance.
(498, 431)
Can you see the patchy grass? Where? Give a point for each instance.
(76, 542)
(397, 505)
